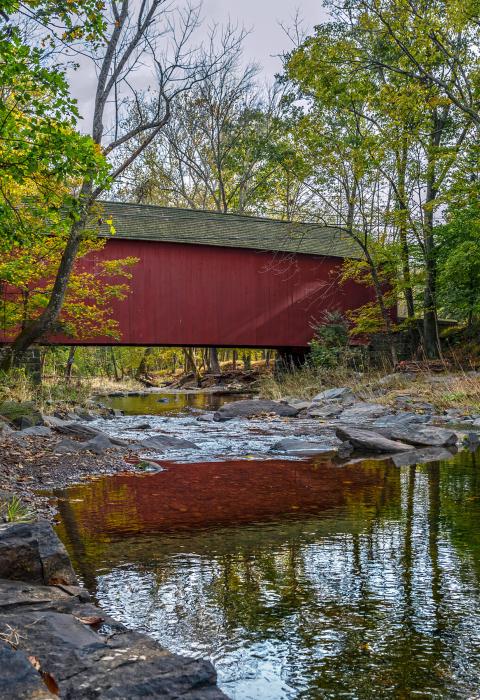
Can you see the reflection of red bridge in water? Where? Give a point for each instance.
(191, 496)
(214, 279)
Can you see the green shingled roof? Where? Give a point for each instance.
(152, 223)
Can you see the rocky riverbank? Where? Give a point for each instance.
(54, 642)
(41, 452)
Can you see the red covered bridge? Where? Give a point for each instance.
(210, 279)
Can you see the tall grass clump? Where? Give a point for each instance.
(17, 385)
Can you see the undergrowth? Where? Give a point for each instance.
(16, 385)
(446, 390)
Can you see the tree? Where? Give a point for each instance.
(133, 34)
(26, 277)
(39, 147)
(458, 254)
(394, 156)
(432, 42)
(218, 150)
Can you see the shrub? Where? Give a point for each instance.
(330, 341)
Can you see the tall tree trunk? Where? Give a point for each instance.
(383, 308)
(142, 367)
(114, 363)
(403, 230)
(430, 325)
(214, 363)
(191, 363)
(36, 329)
(70, 361)
(362, 241)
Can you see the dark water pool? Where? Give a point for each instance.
(170, 404)
(297, 579)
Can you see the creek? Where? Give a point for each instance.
(297, 578)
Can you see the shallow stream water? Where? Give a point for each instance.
(298, 579)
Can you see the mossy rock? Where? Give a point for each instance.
(21, 415)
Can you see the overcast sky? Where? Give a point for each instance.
(263, 17)
(264, 43)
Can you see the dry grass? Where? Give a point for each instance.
(454, 390)
(54, 391)
(446, 390)
(17, 386)
(105, 385)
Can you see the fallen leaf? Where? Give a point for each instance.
(50, 682)
(91, 620)
(58, 581)
(47, 678)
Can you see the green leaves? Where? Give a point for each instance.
(42, 155)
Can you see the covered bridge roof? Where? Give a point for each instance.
(145, 222)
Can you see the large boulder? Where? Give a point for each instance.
(328, 410)
(84, 664)
(98, 445)
(86, 432)
(32, 552)
(370, 441)
(254, 407)
(299, 447)
(425, 436)
(37, 431)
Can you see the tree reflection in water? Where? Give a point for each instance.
(298, 579)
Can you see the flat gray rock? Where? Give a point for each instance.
(329, 410)
(370, 441)
(18, 679)
(425, 436)
(19, 593)
(5, 429)
(399, 420)
(159, 443)
(87, 432)
(54, 421)
(428, 454)
(37, 431)
(98, 445)
(342, 394)
(123, 666)
(205, 418)
(253, 407)
(77, 430)
(360, 412)
(297, 446)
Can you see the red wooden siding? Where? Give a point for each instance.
(199, 295)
